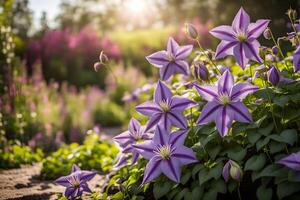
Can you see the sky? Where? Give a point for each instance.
(38, 6)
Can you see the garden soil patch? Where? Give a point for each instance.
(25, 183)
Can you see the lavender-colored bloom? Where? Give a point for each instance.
(240, 39)
(133, 135)
(225, 102)
(275, 50)
(76, 182)
(267, 34)
(232, 170)
(200, 71)
(293, 162)
(172, 60)
(166, 154)
(296, 59)
(165, 109)
(273, 75)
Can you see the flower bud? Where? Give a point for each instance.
(232, 170)
(273, 75)
(275, 50)
(200, 71)
(267, 34)
(222, 68)
(191, 31)
(97, 66)
(103, 58)
(292, 14)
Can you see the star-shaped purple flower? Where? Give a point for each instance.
(240, 39)
(293, 162)
(171, 61)
(134, 134)
(225, 102)
(76, 182)
(165, 109)
(166, 154)
(296, 59)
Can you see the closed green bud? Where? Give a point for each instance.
(191, 31)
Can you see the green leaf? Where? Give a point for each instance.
(185, 177)
(264, 193)
(232, 185)
(160, 189)
(276, 147)
(118, 196)
(196, 169)
(287, 188)
(253, 136)
(262, 142)
(271, 170)
(219, 186)
(256, 162)
(213, 150)
(197, 193)
(236, 153)
(210, 195)
(181, 194)
(281, 100)
(266, 130)
(290, 136)
(207, 174)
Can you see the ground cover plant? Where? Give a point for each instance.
(216, 130)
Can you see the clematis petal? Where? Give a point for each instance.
(209, 113)
(296, 59)
(87, 175)
(223, 33)
(225, 171)
(207, 92)
(171, 168)
(180, 66)
(252, 51)
(154, 120)
(257, 28)
(134, 126)
(145, 149)
(178, 137)
(123, 139)
(177, 119)
(241, 90)
(225, 48)
(64, 181)
(152, 170)
(148, 108)
(223, 120)
(240, 112)
(240, 56)
(75, 168)
(162, 92)
(165, 121)
(185, 155)
(161, 136)
(180, 103)
(71, 192)
(167, 71)
(85, 188)
(135, 157)
(225, 82)
(158, 59)
(121, 160)
(241, 21)
(172, 46)
(183, 52)
(292, 161)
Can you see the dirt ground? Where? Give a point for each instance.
(24, 183)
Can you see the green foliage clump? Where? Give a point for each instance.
(94, 153)
(13, 156)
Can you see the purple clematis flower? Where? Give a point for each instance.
(172, 60)
(232, 170)
(293, 162)
(76, 182)
(166, 154)
(165, 109)
(240, 39)
(225, 102)
(296, 59)
(133, 135)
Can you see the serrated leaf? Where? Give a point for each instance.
(256, 162)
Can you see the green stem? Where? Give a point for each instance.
(203, 51)
(111, 71)
(239, 192)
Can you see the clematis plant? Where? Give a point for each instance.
(296, 59)
(133, 135)
(171, 61)
(166, 154)
(232, 170)
(165, 109)
(225, 102)
(293, 162)
(240, 39)
(76, 182)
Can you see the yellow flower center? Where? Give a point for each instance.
(171, 57)
(241, 36)
(74, 181)
(164, 106)
(137, 136)
(164, 152)
(224, 99)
